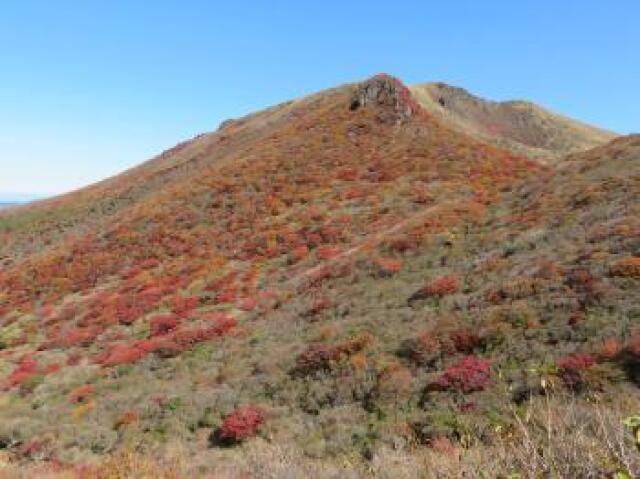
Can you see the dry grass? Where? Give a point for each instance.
(557, 437)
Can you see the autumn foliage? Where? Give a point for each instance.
(466, 376)
(242, 424)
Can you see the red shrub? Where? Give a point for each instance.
(467, 375)
(182, 306)
(248, 304)
(465, 340)
(388, 266)
(328, 252)
(28, 367)
(299, 253)
(242, 424)
(127, 418)
(571, 368)
(75, 337)
(161, 325)
(81, 394)
(576, 362)
(121, 354)
(610, 348)
(442, 286)
(319, 305)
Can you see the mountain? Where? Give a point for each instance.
(354, 278)
(520, 126)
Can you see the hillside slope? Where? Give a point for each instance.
(520, 126)
(343, 273)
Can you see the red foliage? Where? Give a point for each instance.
(81, 393)
(610, 348)
(465, 340)
(121, 354)
(299, 253)
(161, 325)
(319, 305)
(442, 286)
(348, 174)
(248, 304)
(242, 424)
(127, 418)
(182, 305)
(328, 252)
(388, 266)
(466, 375)
(571, 368)
(75, 337)
(227, 295)
(28, 367)
(576, 362)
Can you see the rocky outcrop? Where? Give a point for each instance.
(389, 93)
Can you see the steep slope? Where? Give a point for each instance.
(343, 272)
(520, 126)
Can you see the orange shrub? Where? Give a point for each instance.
(627, 267)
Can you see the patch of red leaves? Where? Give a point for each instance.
(242, 424)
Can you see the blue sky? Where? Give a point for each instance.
(89, 88)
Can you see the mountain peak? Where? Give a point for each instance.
(387, 91)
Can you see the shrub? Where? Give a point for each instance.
(423, 350)
(242, 424)
(80, 394)
(318, 357)
(465, 340)
(394, 383)
(126, 418)
(161, 325)
(299, 253)
(121, 354)
(387, 266)
(610, 348)
(438, 288)
(571, 368)
(466, 375)
(328, 252)
(27, 368)
(626, 267)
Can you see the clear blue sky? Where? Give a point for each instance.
(89, 88)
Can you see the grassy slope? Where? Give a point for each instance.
(520, 126)
(317, 232)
